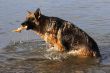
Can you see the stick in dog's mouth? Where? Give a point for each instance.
(20, 29)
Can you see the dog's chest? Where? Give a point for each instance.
(50, 38)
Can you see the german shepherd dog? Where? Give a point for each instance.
(61, 34)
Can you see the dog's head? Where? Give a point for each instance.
(31, 22)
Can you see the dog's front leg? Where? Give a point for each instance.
(60, 46)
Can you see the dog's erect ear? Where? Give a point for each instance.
(37, 13)
(29, 12)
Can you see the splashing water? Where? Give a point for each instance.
(53, 54)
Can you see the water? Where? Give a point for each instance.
(26, 52)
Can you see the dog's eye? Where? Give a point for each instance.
(31, 19)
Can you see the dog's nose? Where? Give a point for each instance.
(23, 24)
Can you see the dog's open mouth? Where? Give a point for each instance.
(20, 29)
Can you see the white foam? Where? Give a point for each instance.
(53, 54)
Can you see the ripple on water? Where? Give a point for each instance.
(34, 55)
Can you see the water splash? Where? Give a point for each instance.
(53, 54)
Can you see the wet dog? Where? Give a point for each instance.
(60, 33)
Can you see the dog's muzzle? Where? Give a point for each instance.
(20, 29)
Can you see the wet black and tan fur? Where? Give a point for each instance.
(61, 33)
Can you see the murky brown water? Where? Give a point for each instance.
(26, 53)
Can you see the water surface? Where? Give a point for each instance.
(26, 53)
